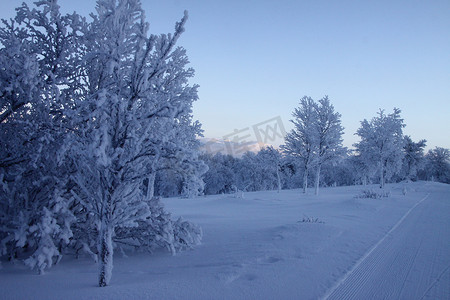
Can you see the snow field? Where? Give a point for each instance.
(259, 248)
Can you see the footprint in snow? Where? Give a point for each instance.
(228, 277)
(249, 277)
(269, 260)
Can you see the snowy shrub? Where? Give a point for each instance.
(404, 191)
(38, 240)
(374, 194)
(36, 224)
(44, 257)
(158, 231)
(237, 193)
(307, 219)
(186, 234)
(45, 233)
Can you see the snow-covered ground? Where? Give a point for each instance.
(259, 248)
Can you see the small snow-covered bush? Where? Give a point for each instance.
(307, 219)
(186, 234)
(158, 231)
(374, 194)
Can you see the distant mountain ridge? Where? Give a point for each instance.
(213, 146)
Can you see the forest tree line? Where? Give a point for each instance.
(313, 156)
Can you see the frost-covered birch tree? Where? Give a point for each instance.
(316, 137)
(328, 136)
(87, 109)
(180, 156)
(270, 165)
(301, 141)
(381, 145)
(137, 94)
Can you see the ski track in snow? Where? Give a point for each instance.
(410, 262)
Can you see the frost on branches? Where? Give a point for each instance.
(438, 165)
(381, 145)
(316, 137)
(414, 158)
(329, 136)
(101, 107)
(35, 59)
(301, 141)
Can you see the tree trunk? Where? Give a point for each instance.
(151, 185)
(408, 172)
(316, 192)
(305, 180)
(382, 175)
(278, 178)
(106, 255)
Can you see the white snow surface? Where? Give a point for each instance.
(259, 248)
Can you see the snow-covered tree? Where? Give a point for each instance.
(291, 172)
(137, 94)
(38, 59)
(360, 169)
(301, 141)
(381, 145)
(414, 157)
(99, 105)
(316, 137)
(254, 172)
(180, 156)
(250, 172)
(221, 175)
(437, 166)
(270, 162)
(328, 136)
(338, 173)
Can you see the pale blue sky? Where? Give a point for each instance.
(254, 60)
